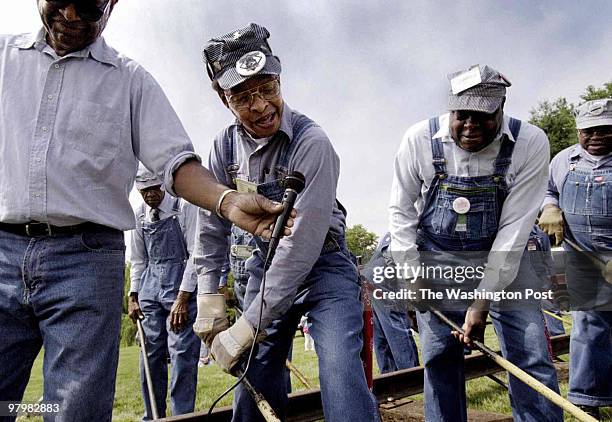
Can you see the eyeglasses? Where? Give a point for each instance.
(600, 130)
(478, 116)
(243, 100)
(86, 9)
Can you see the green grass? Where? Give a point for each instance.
(483, 394)
(212, 382)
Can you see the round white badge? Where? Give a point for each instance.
(461, 205)
(251, 63)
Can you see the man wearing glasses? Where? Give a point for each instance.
(578, 207)
(466, 191)
(75, 119)
(312, 272)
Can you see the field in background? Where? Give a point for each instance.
(483, 394)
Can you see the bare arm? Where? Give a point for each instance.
(196, 184)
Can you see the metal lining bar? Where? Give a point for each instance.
(305, 406)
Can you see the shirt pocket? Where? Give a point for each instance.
(93, 134)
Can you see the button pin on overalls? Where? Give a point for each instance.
(461, 206)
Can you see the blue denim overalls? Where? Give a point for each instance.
(394, 344)
(167, 256)
(329, 297)
(538, 251)
(242, 243)
(586, 201)
(521, 333)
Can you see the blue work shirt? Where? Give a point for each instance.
(317, 212)
(72, 130)
(559, 167)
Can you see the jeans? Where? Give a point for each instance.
(184, 351)
(523, 342)
(393, 342)
(330, 298)
(63, 293)
(554, 326)
(591, 358)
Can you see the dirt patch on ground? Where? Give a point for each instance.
(562, 370)
(406, 410)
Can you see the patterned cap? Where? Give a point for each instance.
(238, 55)
(146, 178)
(594, 113)
(480, 88)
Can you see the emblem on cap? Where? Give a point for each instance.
(250, 63)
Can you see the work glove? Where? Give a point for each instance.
(551, 221)
(607, 272)
(229, 345)
(211, 318)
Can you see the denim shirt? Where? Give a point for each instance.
(72, 130)
(317, 212)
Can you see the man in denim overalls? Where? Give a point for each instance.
(393, 342)
(466, 190)
(578, 207)
(312, 273)
(163, 282)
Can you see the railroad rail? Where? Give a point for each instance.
(305, 406)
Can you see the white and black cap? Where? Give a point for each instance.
(479, 88)
(594, 113)
(239, 55)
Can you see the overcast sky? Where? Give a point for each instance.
(365, 71)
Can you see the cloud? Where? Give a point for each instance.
(365, 71)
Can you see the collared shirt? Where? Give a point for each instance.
(559, 167)
(526, 179)
(316, 209)
(187, 215)
(72, 130)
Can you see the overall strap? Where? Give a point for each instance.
(571, 158)
(229, 160)
(437, 151)
(515, 127)
(177, 205)
(300, 124)
(504, 157)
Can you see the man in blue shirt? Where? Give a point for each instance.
(578, 207)
(76, 118)
(312, 272)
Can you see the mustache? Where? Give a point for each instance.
(73, 26)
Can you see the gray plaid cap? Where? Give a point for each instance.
(594, 113)
(238, 55)
(487, 96)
